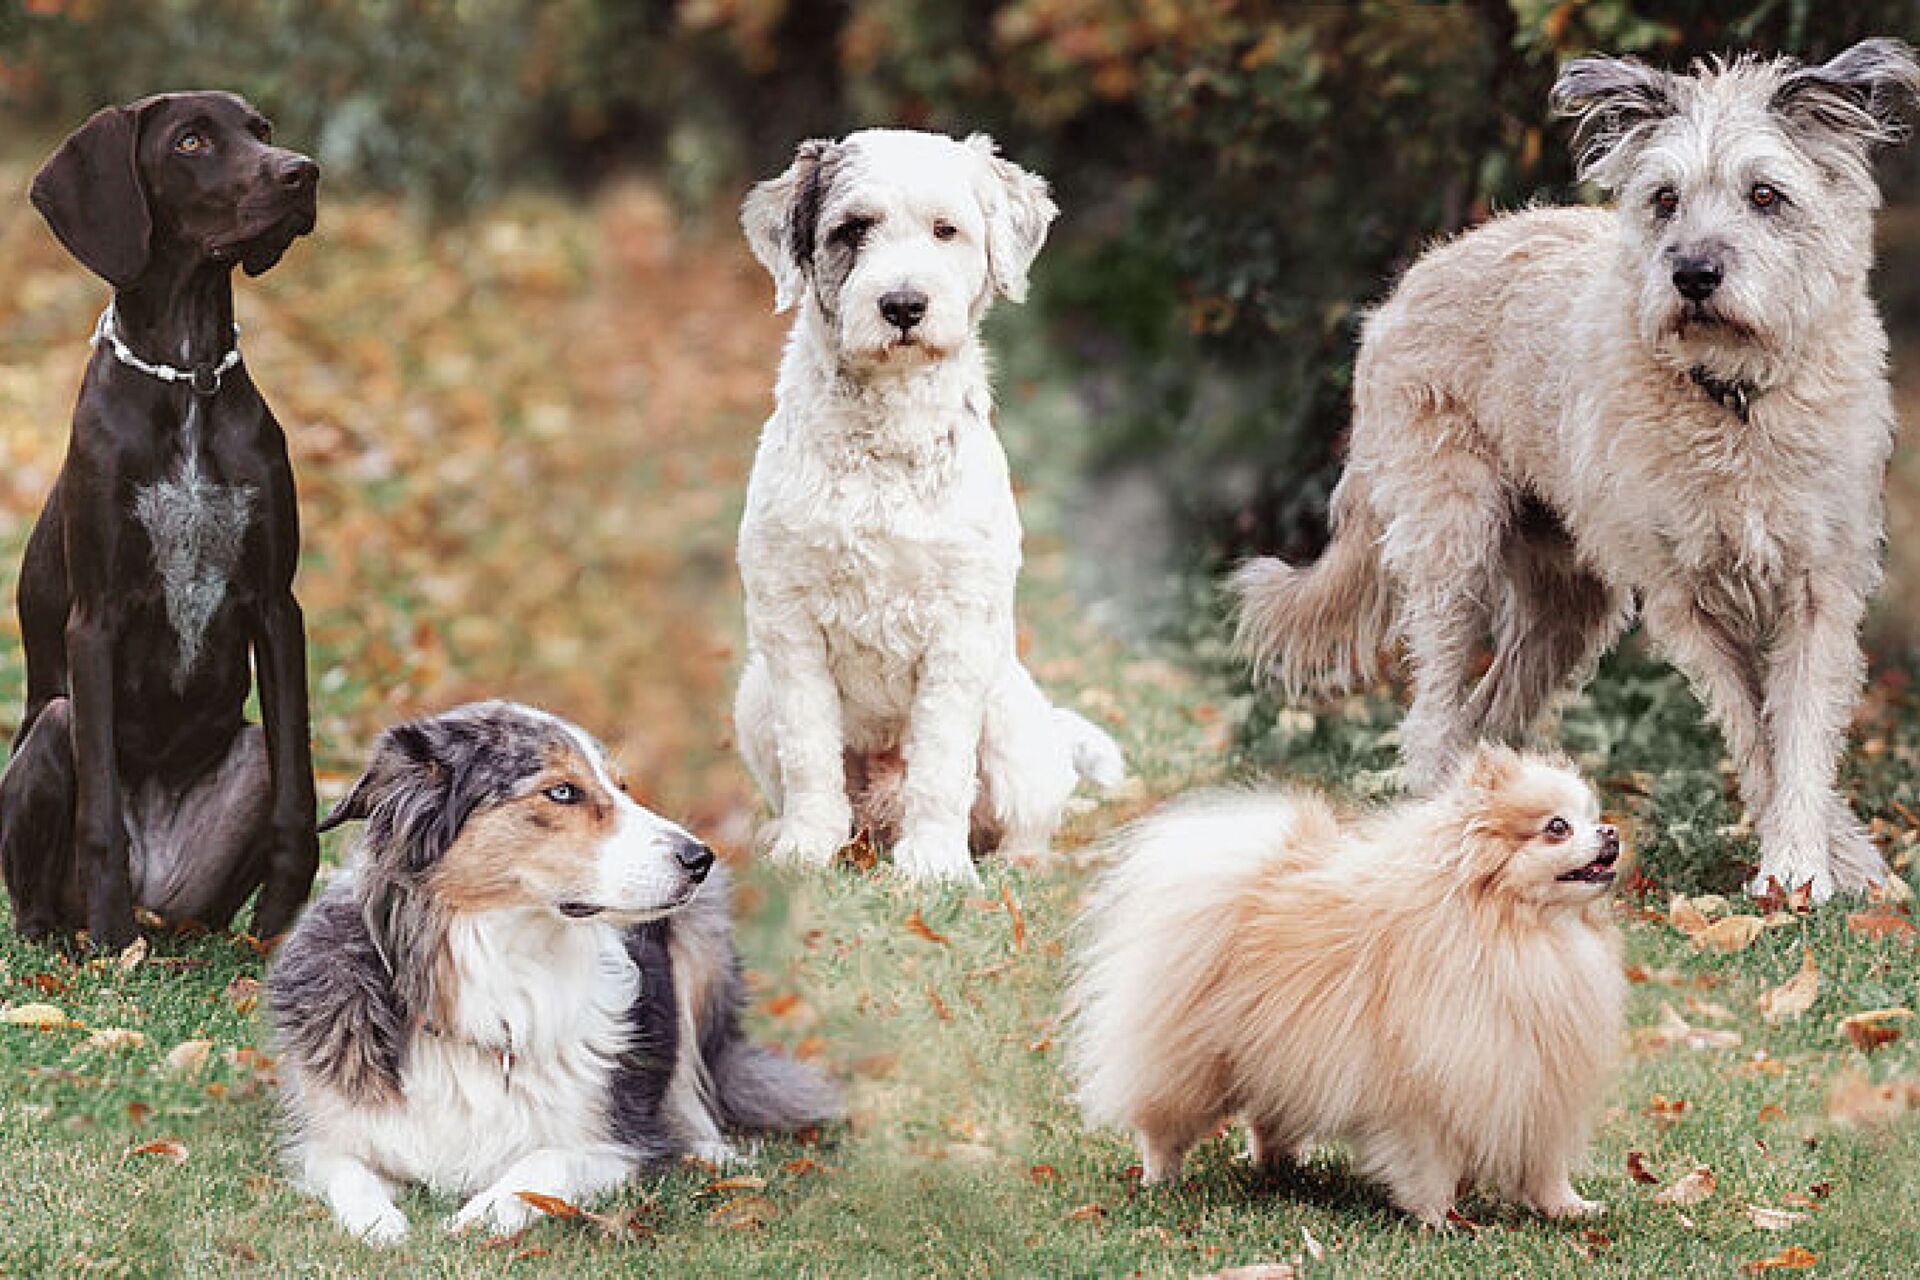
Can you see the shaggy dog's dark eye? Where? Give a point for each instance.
(1763, 196)
(944, 230)
(1558, 829)
(190, 143)
(850, 233)
(564, 793)
(1665, 201)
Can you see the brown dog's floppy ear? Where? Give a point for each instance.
(90, 194)
(781, 216)
(1019, 210)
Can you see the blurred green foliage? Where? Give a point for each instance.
(1240, 177)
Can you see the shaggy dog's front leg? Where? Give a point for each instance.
(815, 816)
(942, 753)
(1808, 835)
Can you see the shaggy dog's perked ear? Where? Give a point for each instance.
(1019, 211)
(1861, 96)
(782, 215)
(89, 192)
(1613, 102)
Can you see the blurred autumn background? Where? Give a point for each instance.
(523, 359)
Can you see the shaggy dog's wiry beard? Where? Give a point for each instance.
(1438, 986)
(1676, 406)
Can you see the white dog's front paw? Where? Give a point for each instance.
(384, 1226)
(938, 853)
(501, 1213)
(810, 838)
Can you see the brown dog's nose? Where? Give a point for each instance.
(694, 858)
(295, 172)
(903, 308)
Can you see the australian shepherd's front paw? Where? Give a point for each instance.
(499, 1212)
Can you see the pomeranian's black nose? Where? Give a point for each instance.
(694, 858)
(1609, 838)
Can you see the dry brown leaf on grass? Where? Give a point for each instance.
(803, 1166)
(40, 1017)
(1255, 1271)
(170, 1148)
(1768, 1219)
(1735, 933)
(1856, 1100)
(1791, 1258)
(1638, 1171)
(1794, 996)
(1690, 1189)
(734, 1182)
(243, 993)
(1880, 924)
(1667, 1112)
(1874, 1028)
(918, 926)
(1015, 917)
(189, 1057)
(1672, 1029)
(112, 1039)
(744, 1213)
(1090, 1212)
(552, 1206)
(130, 957)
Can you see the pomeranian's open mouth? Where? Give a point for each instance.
(1599, 871)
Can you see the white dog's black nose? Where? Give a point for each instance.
(1696, 278)
(903, 308)
(694, 858)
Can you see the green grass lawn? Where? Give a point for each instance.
(553, 524)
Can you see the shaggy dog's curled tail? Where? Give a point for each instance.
(1321, 628)
(758, 1089)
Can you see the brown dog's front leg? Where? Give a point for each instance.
(100, 838)
(293, 856)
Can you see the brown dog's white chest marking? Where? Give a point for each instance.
(197, 529)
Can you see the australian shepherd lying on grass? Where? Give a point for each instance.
(1438, 986)
(526, 983)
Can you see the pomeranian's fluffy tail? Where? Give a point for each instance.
(1321, 628)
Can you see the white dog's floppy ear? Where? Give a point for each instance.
(781, 215)
(1861, 95)
(1612, 102)
(1018, 211)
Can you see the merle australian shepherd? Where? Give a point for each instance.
(525, 982)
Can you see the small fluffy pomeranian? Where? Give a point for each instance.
(1438, 985)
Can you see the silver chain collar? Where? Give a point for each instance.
(204, 379)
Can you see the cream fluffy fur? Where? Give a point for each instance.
(880, 543)
(1534, 448)
(1418, 984)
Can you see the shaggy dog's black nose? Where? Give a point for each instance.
(1696, 278)
(694, 858)
(903, 308)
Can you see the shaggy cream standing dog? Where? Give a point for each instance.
(1681, 400)
(1437, 986)
(880, 542)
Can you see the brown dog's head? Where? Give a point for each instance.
(184, 174)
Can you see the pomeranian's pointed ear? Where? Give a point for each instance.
(781, 216)
(1491, 766)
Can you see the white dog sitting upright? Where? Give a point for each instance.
(880, 543)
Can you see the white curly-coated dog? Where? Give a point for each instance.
(880, 543)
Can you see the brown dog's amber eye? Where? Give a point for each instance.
(190, 144)
(1557, 829)
(1665, 201)
(944, 230)
(1763, 196)
(564, 793)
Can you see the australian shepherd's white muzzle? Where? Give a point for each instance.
(526, 984)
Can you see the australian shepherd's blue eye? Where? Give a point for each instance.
(1557, 829)
(564, 793)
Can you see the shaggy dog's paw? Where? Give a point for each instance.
(809, 840)
(1857, 864)
(501, 1213)
(935, 855)
(1816, 879)
(1574, 1208)
(385, 1226)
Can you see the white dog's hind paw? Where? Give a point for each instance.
(808, 843)
(501, 1213)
